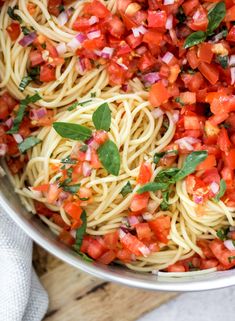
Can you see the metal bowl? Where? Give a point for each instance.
(32, 225)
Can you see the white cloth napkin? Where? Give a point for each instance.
(22, 297)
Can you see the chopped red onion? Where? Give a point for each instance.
(157, 112)
(122, 234)
(80, 37)
(86, 169)
(169, 22)
(18, 138)
(61, 48)
(94, 34)
(133, 220)
(232, 60)
(122, 65)
(62, 18)
(88, 154)
(186, 142)
(76, 42)
(3, 149)
(137, 31)
(175, 116)
(229, 245)
(125, 87)
(92, 143)
(167, 2)
(9, 122)
(107, 52)
(80, 66)
(214, 187)
(167, 57)
(232, 71)
(144, 250)
(197, 199)
(141, 50)
(28, 39)
(196, 15)
(93, 20)
(98, 52)
(36, 114)
(151, 78)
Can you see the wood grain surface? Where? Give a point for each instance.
(75, 295)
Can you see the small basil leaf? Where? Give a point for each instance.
(222, 189)
(28, 143)
(72, 131)
(34, 72)
(71, 188)
(68, 160)
(93, 95)
(102, 117)
(126, 189)
(194, 39)
(85, 257)
(11, 13)
(167, 175)
(81, 232)
(164, 204)
(24, 83)
(25, 30)
(21, 111)
(223, 61)
(109, 156)
(73, 106)
(215, 17)
(190, 164)
(152, 187)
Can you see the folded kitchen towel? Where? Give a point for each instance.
(22, 297)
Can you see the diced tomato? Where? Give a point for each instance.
(146, 61)
(210, 72)
(4, 112)
(116, 74)
(157, 19)
(95, 163)
(177, 267)
(107, 257)
(54, 7)
(143, 231)
(231, 34)
(131, 243)
(199, 20)
(95, 249)
(41, 188)
(152, 37)
(31, 7)
(96, 8)
(114, 26)
(230, 14)
(66, 238)
(81, 24)
(228, 175)
(53, 193)
(133, 41)
(73, 209)
(222, 253)
(208, 264)
(47, 73)
(188, 98)
(35, 58)
(223, 140)
(158, 94)
(100, 136)
(41, 209)
(211, 175)
(161, 228)
(111, 240)
(230, 158)
(9, 100)
(189, 5)
(145, 173)
(57, 219)
(205, 53)
(124, 255)
(204, 246)
(139, 202)
(14, 30)
(192, 58)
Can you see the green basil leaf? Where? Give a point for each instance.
(126, 189)
(25, 30)
(181, 17)
(215, 17)
(190, 164)
(28, 143)
(109, 156)
(21, 111)
(71, 188)
(11, 13)
(167, 175)
(194, 39)
(73, 106)
(222, 189)
(222, 234)
(102, 117)
(152, 187)
(158, 156)
(83, 103)
(93, 95)
(24, 83)
(85, 257)
(34, 72)
(164, 204)
(72, 131)
(231, 258)
(68, 160)
(223, 61)
(81, 231)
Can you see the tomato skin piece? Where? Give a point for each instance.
(158, 94)
(177, 267)
(145, 173)
(222, 253)
(139, 202)
(157, 19)
(47, 73)
(107, 257)
(96, 8)
(210, 72)
(161, 228)
(230, 158)
(14, 30)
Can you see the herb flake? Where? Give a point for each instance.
(127, 189)
(28, 143)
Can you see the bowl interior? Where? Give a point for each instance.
(40, 233)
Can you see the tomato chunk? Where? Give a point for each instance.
(161, 228)
(158, 94)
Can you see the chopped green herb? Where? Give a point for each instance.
(73, 106)
(181, 17)
(83, 103)
(126, 189)
(72, 131)
(83, 148)
(24, 83)
(67, 180)
(85, 257)
(61, 8)
(84, 198)
(191, 71)
(194, 39)
(93, 95)
(166, 175)
(81, 232)
(21, 111)
(34, 72)
(222, 189)
(102, 117)
(11, 13)
(109, 156)
(164, 204)
(43, 45)
(222, 234)
(178, 100)
(71, 188)
(25, 30)
(215, 17)
(231, 258)
(28, 143)
(152, 187)
(158, 156)
(68, 160)
(223, 61)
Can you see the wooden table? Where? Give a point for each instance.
(75, 295)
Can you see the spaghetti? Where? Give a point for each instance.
(109, 174)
